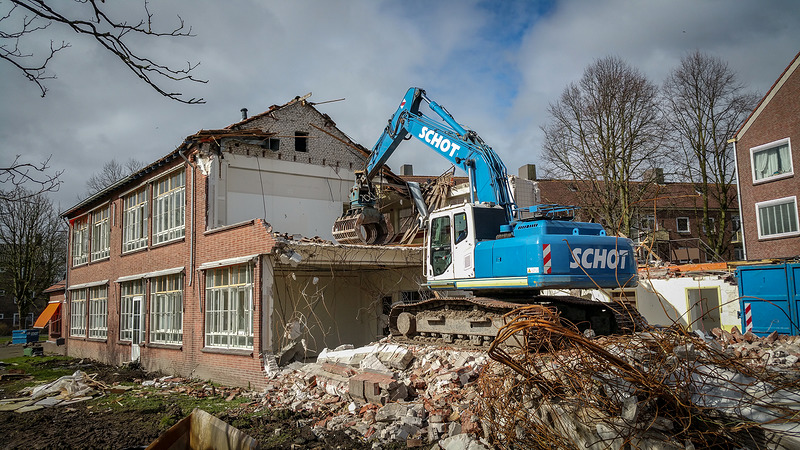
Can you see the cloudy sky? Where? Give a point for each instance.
(495, 65)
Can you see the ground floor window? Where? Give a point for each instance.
(166, 309)
(77, 313)
(131, 298)
(229, 307)
(98, 312)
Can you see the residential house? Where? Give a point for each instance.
(211, 260)
(668, 227)
(768, 170)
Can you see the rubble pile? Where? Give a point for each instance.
(776, 352)
(549, 386)
(386, 393)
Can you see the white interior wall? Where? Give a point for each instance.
(664, 301)
(298, 198)
(334, 306)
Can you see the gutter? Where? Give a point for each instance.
(739, 195)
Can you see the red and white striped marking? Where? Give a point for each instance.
(546, 258)
(748, 318)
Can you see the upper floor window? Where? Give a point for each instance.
(101, 246)
(169, 207)
(134, 221)
(683, 224)
(300, 141)
(777, 218)
(772, 161)
(80, 241)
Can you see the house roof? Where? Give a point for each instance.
(60, 286)
(787, 72)
(202, 136)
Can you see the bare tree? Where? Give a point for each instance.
(25, 18)
(33, 247)
(20, 174)
(706, 104)
(112, 172)
(605, 130)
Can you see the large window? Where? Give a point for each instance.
(134, 221)
(131, 298)
(169, 207)
(77, 313)
(80, 241)
(772, 161)
(98, 312)
(777, 218)
(100, 234)
(166, 309)
(229, 307)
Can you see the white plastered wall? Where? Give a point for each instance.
(334, 306)
(664, 301)
(293, 197)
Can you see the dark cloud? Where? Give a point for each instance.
(495, 68)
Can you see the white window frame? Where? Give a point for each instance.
(780, 201)
(134, 220)
(166, 309)
(169, 207)
(101, 232)
(678, 225)
(77, 313)
(98, 312)
(766, 147)
(713, 225)
(128, 291)
(229, 307)
(80, 241)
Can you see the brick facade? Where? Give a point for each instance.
(776, 118)
(204, 247)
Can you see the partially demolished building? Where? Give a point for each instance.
(209, 261)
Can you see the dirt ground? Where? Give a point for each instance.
(92, 424)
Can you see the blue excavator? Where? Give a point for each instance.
(484, 246)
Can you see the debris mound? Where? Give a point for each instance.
(550, 386)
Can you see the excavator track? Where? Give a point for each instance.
(475, 321)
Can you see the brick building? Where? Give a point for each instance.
(670, 227)
(209, 261)
(766, 157)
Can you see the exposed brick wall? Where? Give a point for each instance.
(322, 149)
(780, 119)
(190, 359)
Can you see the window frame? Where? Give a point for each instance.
(163, 299)
(766, 147)
(792, 199)
(169, 207)
(77, 316)
(98, 312)
(218, 320)
(678, 225)
(101, 234)
(128, 290)
(80, 241)
(140, 226)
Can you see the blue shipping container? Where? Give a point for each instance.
(24, 336)
(769, 296)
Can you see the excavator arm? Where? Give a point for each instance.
(363, 223)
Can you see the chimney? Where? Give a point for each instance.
(528, 172)
(655, 175)
(407, 170)
(244, 113)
